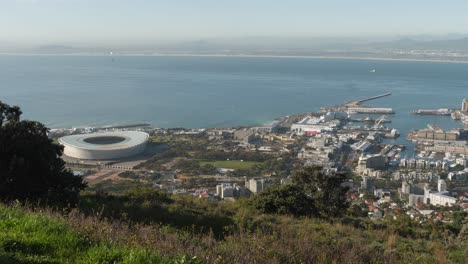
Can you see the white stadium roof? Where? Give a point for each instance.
(106, 145)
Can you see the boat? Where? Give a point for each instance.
(372, 71)
(456, 115)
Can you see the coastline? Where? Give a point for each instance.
(235, 56)
(302, 57)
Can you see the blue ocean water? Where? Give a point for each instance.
(171, 91)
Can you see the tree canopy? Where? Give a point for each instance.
(326, 189)
(31, 167)
(312, 192)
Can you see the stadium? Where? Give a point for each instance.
(104, 146)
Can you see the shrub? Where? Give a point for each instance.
(30, 163)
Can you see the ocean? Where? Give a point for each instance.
(194, 92)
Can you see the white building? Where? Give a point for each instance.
(440, 198)
(415, 199)
(464, 107)
(373, 162)
(461, 161)
(441, 186)
(225, 190)
(257, 185)
(311, 124)
(270, 127)
(334, 115)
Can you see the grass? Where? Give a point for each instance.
(231, 164)
(27, 237)
(131, 229)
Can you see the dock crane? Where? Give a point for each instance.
(378, 121)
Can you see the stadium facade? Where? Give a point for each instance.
(104, 146)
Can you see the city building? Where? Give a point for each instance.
(225, 190)
(416, 176)
(339, 115)
(459, 147)
(271, 127)
(441, 186)
(220, 134)
(313, 125)
(464, 107)
(367, 185)
(415, 199)
(431, 134)
(439, 198)
(257, 185)
(461, 161)
(244, 135)
(459, 175)
(374, 162)
(362, 146)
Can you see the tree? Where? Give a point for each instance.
(208, 169)
(312, 193)
(30, 164)
(325, 189)
(188, 166)
(285, 199)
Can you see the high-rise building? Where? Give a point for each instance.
(441, 186)
(405, 187)
(464, 107)
(257, 185)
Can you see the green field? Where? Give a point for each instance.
(231, 164)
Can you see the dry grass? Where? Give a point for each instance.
(258, 238)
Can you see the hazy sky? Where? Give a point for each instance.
(137, 21)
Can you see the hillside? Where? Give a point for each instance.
(148, 229)
(42, 237)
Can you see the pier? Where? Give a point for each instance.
(441, 112)
(356, 104)
(373, 97)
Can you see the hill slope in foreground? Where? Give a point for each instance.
(44, 236)
(28, 237)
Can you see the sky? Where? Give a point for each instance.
(100, 22)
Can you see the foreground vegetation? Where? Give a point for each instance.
(48, 237)
(144, 226)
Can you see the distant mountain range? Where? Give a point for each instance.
(408, 43)
(403, 48)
